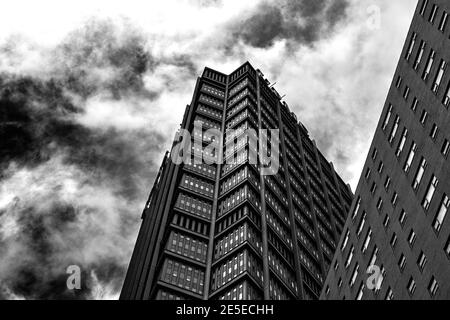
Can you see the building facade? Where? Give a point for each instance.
(398, 221)
(227, 231)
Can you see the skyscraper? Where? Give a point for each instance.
(398, 221)
(226, 230)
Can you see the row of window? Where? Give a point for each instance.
(236, 216)
(195, 206)
(236, 237)
(237, 177)
(191, 224)
(237, 197)
(207, 123)
(235, 266)
(282, 271)
(277, 206)
(278, 227)
(433, 14)
(211, 101)
(242, 291)
(183, 276)
(276, 291)
(202, 168)
(217, 115)
(187, 246)
(213, 90)
(197, 185)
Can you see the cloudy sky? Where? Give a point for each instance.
(91, 93)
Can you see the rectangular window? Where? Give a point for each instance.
(411, 46)
(439, 76)
(387, 183)
(430, 192)
(393, 241)
(355, 211)
(422, 261)
(394, 129)
(379, 204)
(414, 104)
(402, 218)
(441, 213)
(389, 294)
(367, 175)
(406, 93)
(419, 56)
(380, 167)
(373, 259)
(419, 174)
(412, 238)
(398, 83)
(374, 154)
(402, 262)
(433, 286)
(388, 116)
(411, 286)
(402, 142)
(361, 224)
(386, 221)
(423, 7)
(373, 188)
(433, 14)
(434, 132)
(443, 22)
(344, 243)
(367, 241)
(447, 247)
(429, 65)
(409, 160)
(394, 199)
(445, 148)
(360, 292)
(446, 100)
(349, 259)
(354, 275)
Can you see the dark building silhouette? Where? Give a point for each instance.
(398, 218)
(225, 231)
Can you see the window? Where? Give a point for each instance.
(411, 286)
(387, 183)
(445, 148)
(374, 154)
(394, 129)
(402, 218)
(411, 46)
(361, 224)
(394, 199)
(440, 74)
(367, 175)
(446, 100)
(447, 247)
(379, 204)
(412, 238)
(419, 173)
(433, 286)
(388, 116)
(327, 290)
(443, 22)
(430, 192)
(389, 294)
(434, 131)
(402, 142)
(398, 83)
(414, 104)
(380, 167)
(409, 160)
(423, 7)
(423, 117)
(406, 93)
(402, 262)
(348, 261)
(367, 241)
(354, 275)
(373, 188)
(340, 282)
(386, 221)
(441, 213)
(355, 211)
(433, 14)
(420, 55)
(429, 65)
(360, 292)
(336, 265)
(344, 243)
(373, 259)
(422, 261)
(393, 241)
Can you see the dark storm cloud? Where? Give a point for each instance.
(38, 123)
(299, 21)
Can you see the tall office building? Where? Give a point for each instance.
(398, 218)
(227, 231)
